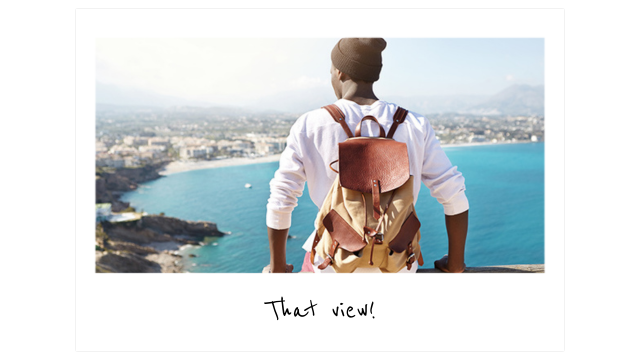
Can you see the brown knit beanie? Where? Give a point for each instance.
(360, 58)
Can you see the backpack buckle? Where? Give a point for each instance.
(378, 238)
(410, 260)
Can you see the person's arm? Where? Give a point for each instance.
(278, 249)
(446, 184)
(286, 186)
(457, 225)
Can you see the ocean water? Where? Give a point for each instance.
(505, 188)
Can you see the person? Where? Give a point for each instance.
(313, 144)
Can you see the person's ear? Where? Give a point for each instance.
(342, 76)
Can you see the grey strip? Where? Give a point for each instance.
(37, 272)
(602, 271)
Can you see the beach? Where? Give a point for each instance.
(182, 166)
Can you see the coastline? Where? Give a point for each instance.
(170, 257)
(175, 167)
(182, 166)
(152, 243)
(489, 143)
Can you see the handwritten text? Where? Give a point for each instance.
(280, 310)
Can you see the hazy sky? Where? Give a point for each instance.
(236, 71)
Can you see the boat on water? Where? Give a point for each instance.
(247, 185)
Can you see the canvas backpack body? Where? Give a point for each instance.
(368, 218)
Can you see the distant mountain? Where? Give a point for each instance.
(116, 95)
(296, 101)
(436, 104)
(514, 100)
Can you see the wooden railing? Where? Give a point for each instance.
(532, 268)
(529, 268)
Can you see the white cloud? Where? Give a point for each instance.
(510, 78)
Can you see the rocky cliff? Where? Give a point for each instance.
(149, 244)
(111, 183)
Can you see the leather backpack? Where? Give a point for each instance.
(368, 218)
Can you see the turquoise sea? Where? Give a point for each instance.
(505, 188)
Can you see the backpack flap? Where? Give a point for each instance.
(406, 234)
(363, 160)
(342, 233)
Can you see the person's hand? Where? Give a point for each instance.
(444, 266)
(267, 269)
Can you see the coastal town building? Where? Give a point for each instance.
(157, 137)
(101, 147)
(135, 141)
(152, 148)
(263, 148)
(196, 152)
(103, 211)
(270, 145)
(122, 150)
(109, 160)
(159, 141)
(132, 161)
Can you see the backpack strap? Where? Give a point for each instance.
(398, 118)
(339, 117)
(316, 240)
(332, 252)
(372, 118)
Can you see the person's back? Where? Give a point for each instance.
(313, 144)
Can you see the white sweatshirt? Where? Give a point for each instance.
(313, 144)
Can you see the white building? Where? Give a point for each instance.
(122, 150)
(152, 148)
(107, 160)
(241, 145)
(264, 148)
(103, 211)
(477, 138)
(270, 145)
(101, 147)
(160, 141)
(131, 161)
(195, 152)
(135, 141)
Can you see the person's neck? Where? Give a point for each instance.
(359, 94)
